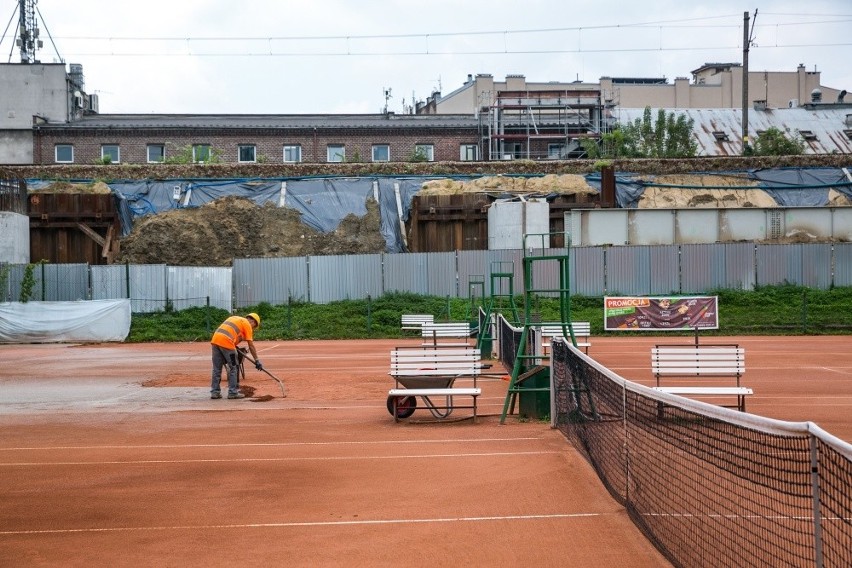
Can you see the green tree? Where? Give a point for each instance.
(667, 136)
(774, 142)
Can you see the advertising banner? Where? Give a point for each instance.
(656, 313)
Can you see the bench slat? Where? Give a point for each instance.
(436, 392)
(449, 359)
(663, 369)
(706, 390)
(692, 354)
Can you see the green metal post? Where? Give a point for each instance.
(369, 314)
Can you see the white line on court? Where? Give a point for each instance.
(284, 459)
(317, 523)
(281, 444)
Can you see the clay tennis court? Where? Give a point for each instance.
(114, 455)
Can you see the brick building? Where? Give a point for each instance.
(136, 139)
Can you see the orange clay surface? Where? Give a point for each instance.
(114, 455)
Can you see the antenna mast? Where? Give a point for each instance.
(388, 96)
(28, 40)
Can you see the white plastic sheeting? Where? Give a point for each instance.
(52, 322)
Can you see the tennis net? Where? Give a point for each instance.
(709, 486)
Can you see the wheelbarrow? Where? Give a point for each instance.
(404, 406)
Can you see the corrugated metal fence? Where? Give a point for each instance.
(594, 271)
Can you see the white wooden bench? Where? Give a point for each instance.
(446, 332)
(686, 362)
(425, 373)
(416, 321)
(582, 333)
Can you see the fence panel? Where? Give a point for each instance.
(344, 277)
(702, 268)
(628, 270)
(739, 266)
(664, 265)
(842, 255)
(148, 292)
(587, 271)
(64, 282)
(273, 280)
(192, 286)
(778, 264)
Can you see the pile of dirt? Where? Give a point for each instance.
(234, 227)
(715, 196)
(570, 184)
(72, 187)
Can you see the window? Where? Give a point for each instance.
(555, 151)
(425, 150)
(156, 153)
(721, 136)
(110, 154)
(808, 134)
(381, 153)
(468, 153)
(293, 153)
(246, 153)
(64, 154)
(336, 153)
(200, 153)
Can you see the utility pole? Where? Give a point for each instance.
(747, 39)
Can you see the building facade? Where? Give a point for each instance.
(136, 139)
(713, 85)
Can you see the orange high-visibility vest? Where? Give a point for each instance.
(232, 331)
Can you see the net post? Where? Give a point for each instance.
(818, 559)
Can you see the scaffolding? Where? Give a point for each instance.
(538, 125)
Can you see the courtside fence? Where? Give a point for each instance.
(594, 272)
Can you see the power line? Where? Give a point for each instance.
(453, 52)
(653, 23)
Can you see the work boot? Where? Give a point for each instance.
(236, 395)
(215, 395)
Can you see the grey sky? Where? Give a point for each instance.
(339, 56)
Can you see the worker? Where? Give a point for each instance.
(225, 340)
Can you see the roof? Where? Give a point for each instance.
(274, 121)
(719, 130)
(715, 66)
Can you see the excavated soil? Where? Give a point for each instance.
(234, 227)
(551, 183)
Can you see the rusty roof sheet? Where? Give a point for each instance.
(719, 130)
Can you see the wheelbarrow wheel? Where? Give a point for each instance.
(405, 405)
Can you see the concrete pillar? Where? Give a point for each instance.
(16, 248)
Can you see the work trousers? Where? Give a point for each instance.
(228, 358)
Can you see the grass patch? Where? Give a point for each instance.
(769, 310)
